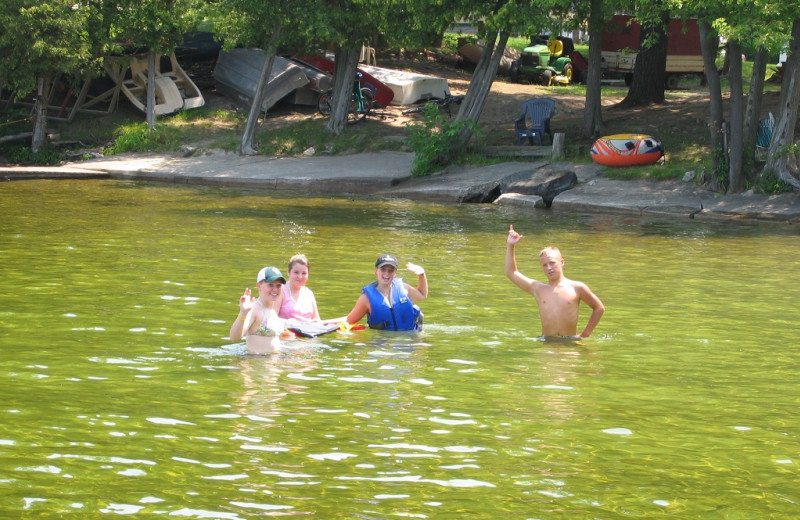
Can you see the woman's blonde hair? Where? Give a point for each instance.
(298, 259)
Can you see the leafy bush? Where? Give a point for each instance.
(450, 41)
(137, 137)
(22, 154)
(435, 142)
(769, 183)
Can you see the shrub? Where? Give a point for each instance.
(435, 143)
(769, 182)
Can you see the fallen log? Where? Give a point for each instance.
(17, 137)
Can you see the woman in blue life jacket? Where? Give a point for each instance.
(389, 302)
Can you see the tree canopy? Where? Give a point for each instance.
(43, 40)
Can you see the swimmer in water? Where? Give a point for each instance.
(559, 298)
(296, 301)
(389, 302)
(258, 320)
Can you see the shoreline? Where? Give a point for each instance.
(561, 186)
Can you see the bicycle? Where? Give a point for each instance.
(445, 102)
(362, 100)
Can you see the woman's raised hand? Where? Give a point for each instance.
(416, 269)
(245, 302)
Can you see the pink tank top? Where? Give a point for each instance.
(302, 309)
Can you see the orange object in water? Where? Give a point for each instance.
(346, 327)
(627, 150)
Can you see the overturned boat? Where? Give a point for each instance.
(383, 93)
(409, 87)
(238, 72)
(174, 89)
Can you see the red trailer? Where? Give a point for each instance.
(621, 45)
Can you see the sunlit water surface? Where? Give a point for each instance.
(121, 394)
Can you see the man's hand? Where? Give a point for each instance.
(513, 236)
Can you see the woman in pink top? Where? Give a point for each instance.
(296, 300)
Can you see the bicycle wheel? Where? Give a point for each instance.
(324, 104)
(360, 105)
(369, 99)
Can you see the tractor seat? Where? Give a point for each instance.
(556, 47)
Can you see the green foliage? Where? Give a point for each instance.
(450, 41)
(132, 137)
(720, 174)
(138, 138)
(214, 127)
(788, 149)
(435, 143)
(295, 138)
(517, 42)
(656, 172)
(157, 25)
(216, 130)
(22, 154)
(41, 39)
(768, 182)
(253, 23)
(15, 121)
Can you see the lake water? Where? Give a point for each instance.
(121, 394)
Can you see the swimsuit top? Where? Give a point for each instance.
(301, 309)
(271, 324)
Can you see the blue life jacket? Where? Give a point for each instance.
(402, 315)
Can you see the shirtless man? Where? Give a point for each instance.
(558, 299)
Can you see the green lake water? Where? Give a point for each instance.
(122, 396)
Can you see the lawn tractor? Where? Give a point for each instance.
(544, 64)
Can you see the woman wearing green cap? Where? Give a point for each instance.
(258, 319)
(389, 302)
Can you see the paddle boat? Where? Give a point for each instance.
(174, 89)
(627, 150)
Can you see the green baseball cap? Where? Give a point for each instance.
(270, 274)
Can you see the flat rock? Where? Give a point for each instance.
(546, 182)
(636, 197)
(470, 184)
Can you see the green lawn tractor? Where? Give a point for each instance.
(543, 64)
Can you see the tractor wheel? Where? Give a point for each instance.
(567, 72)
(672, 81)
(546, 77)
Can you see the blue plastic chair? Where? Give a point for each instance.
(764, 137)
(535, 120)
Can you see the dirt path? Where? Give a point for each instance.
(680, 120)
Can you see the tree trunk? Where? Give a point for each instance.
(478, 78)
(150, 108)
(649, 71)
(40, 115)
(792, 60)
(248, 146)
(752, 113)
(736, 123)
(346, 63)
(481, 84)
(785, 164)
(592, 113)
(709, 41)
